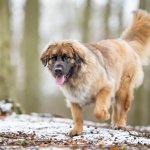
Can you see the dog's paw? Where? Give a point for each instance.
(102, 114)
(120, 128)
(118, 125)
(75, 131)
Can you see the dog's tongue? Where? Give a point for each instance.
(60, 80)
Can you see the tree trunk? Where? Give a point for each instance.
(30, 56)
(137, 108)
(120, 16)
(5, 66)
(142, 4)
(106, 19)
(144, 101)
(86, 19)
(148, 5)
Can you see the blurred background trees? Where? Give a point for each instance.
(26, 26)
(5, 51)
(30, 57)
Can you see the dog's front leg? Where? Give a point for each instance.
(76, 111)
(101, 111)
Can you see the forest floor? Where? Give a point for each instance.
(43, 131)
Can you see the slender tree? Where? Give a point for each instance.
(5, 65)
(142, 4)
(148, 5)
(137, 107)
(30, 94)
(86, 19)
(107, 11)
(120, 16)
(142, 102)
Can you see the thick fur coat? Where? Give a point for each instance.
(107, 72)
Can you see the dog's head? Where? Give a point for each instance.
(63, 59)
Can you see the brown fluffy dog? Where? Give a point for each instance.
(104, 72)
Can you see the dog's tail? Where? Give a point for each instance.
(138, 35)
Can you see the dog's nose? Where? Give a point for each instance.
(58, 71)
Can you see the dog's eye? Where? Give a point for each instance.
(66, 58)
(53, 58)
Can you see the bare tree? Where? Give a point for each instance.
(136, 109)
(120, 16)
(142, 4)
(107, 11)
(30, 95)
(148, 5)
(5, 66)
(86, 19)
(142, 103)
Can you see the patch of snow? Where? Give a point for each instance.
(5, 107)
(50, 127)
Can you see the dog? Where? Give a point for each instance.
(105, 72)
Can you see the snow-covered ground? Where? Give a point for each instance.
(53, 130)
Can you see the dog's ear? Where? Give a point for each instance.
(78, 58)
(78, 54)
(45, 56)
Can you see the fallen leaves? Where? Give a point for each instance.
(47, 131)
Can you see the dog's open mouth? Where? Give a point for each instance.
(60, 80)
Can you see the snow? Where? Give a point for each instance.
(56, 128)
(5, 107)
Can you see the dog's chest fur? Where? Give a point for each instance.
(79, 94)
(82, 93)
(83, 89)
(85, 86)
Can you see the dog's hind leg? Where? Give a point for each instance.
(122, 102)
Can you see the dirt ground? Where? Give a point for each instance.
(44, 131)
